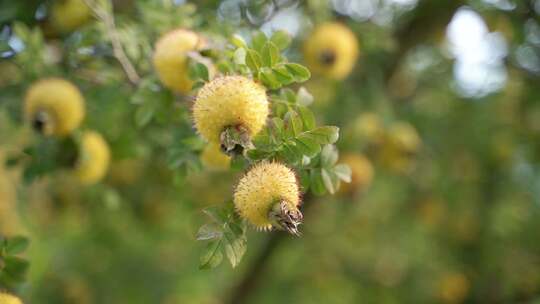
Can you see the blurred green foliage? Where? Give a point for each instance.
(451, 215)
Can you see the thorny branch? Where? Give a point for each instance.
(107, 17)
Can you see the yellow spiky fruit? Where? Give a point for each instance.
(263, 186)
(214, 159)
(230, 101)
(170, 58)
(6, 298)
(370, 127)
(361, 172)
(68, 15)
(404, 137)
(93, 159)
(54, 106)
(331, 50)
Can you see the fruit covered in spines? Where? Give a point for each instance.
(171, 60)
(361, 172)
(230, 102)
(6, 298)
(331, 50)
(54, 106)
(68, 15)
(268, 196)
(93, 158)
(214, 159)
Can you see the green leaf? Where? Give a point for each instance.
(305, 180)
(269, 79)
(238, 41)
(209, 232)
(325, 135)
(270, 54)
(294, 123)
(283, 75)
(235, 247)
(299, 72)
(292, 152)
(343, 172)
(240, 56)
(253, 61)
(16, 245)
(258, 40)
(212, 257)
(198, 71)
(303, 97)
(329, 156)
(317, 183)
(281, 39)
(327, 180)
(309, 147)
(144, 114)
(307, 118)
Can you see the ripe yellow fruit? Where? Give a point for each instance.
(453, 287)
(54, 106)
(404, 137)
(331, 50)
(213, 158)
(170, 58)
(230, 101)
(93, 160)
(369, 126)
(361, 173)
(68, 15)
(6, 298)
(262, 188)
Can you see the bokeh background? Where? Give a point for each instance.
(440, 122)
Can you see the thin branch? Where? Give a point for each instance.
(107, 17)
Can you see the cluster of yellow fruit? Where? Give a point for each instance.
(397, 144)
(56, 107)
(6, 298)
(268, 195)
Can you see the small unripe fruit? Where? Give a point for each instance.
(361, 173)
(93, 159)
(54, 106)
(214, 159)
(68, 15)
(268, 196)
(331, 50)
(6, 298)
(171, 61)
(230, 102)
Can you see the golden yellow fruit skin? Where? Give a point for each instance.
(213, 158)
(453, 287)
(230, 101)
(60, 100)
(361, 172)
(170, 59)
(94, 158)
(9, 299)
(335, 39)
(68, 15)
(264, 185)
(370, 127)
(403, 136)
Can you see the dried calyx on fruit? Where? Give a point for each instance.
(54, 106)
(268, 197)
(229, 111)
